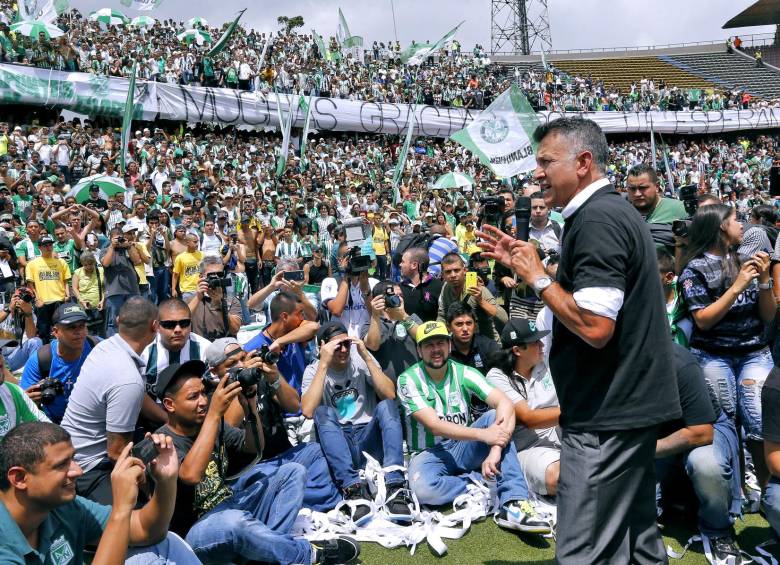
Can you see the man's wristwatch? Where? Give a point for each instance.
(276, 384)
(766, 286)
(541, 284)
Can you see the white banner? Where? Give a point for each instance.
(99, 95)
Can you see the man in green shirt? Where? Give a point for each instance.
(43, 521)
(16, 407)
(67, 248)
(435, 396)
(645, 194)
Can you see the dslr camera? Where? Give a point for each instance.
(268, 356)
(492, 210)
(680, 228)
(356, 232)
(50, 389)
(218, 280)
(25, 294)
(391, 299)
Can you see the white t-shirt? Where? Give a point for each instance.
(355, 316)
(211, 245)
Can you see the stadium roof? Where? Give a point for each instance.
(763, 12)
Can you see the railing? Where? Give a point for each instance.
(747, 41)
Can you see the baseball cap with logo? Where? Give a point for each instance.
(430, 330)
(68, 314)
(521, 332)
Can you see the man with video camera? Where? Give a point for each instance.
(249, 519)
(119, 261)
(346, 294)
(214, 314)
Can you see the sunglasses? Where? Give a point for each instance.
(171, 324)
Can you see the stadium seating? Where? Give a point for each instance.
(730, 71)
(620, 73)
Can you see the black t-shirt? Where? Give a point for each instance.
(397, 351)
(481, 347)
(770, 406)
(629, 383)
(192, 502)
(423, 299)
(698, 406)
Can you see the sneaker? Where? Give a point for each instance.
(342, 549)
(521, 516)
(399, 503)
(724, 550)
(360, 507)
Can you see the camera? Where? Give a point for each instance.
(483, 273)
(268, 356)
(121, 240)
(680, 228)
(247, 378)
(391, 300)
(25, 294)
(492, 210)
(357, 262)
(689, 199)
(50, 388)
(217, 280)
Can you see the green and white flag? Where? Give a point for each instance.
(127, 121)
(502, 135)
(321, 46)
(419, 56)
(413, 50)
(346, 39)
(669, 177)
(304, 105)
(399, 167)
(41, 10)
(286, 125)
(141, 5)
(225, 38)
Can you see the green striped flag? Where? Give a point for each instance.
(304, 105)
(502, 135)
(669, 177)
(127, 121)
(399, 167)
(420, 55)
(321, 46)
(346, 39)
(225, 38)
(286, 125)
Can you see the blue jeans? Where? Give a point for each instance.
(710, 469)
(113, 304)
(736, 382)
(344, 444)
(772, 504)
(161, 288)
(320, 493)
(255, 522)
(18, 358)
(170, 551)
(437, 475)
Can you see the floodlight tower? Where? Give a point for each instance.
(519, 27)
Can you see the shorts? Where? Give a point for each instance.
(534, 462)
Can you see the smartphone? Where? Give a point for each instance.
(293, 276)
(471, 279)
(145, 451)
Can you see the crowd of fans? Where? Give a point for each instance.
(341, 333)
(287, 61)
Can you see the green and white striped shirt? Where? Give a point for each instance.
(450, 398)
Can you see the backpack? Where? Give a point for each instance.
(410, 240)
(44, 357)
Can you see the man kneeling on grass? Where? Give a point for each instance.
(435, 395)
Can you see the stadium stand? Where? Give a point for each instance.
(731, 71)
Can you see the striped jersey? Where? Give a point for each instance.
(450, 398)
(158, 357)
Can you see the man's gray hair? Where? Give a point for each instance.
(87, 257)
(581, 135)
(209, 260)
(286, 264)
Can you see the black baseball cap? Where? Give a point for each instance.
(329, 330)
(67, 314)
(172, 372)
(519, 331)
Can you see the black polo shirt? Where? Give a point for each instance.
(630, 382)
(422, 299)
(481, 347)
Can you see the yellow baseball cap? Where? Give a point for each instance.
(431, 329)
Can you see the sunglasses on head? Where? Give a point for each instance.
(171, 324)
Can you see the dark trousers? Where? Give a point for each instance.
(606, 498)
(95, 484)
(252, 275)
(44, 316)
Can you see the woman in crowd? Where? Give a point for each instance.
(730, 299)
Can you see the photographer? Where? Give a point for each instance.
(286, 336)
(214, 315)
(730, 302)
(390, 333)
(346, 294)
(49, 376)
(232, 521)
(477, 297)
(17, 324)
(49, 276)
(119, 261)
(158, 245)
(41, 515)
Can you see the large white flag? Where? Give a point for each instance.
(141, 5)
(418, 57)
(41, 10)
(502, 135)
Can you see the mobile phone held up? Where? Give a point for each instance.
(471, 280)
(293, 276)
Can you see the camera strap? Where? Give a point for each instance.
(251, 421)
(223, 306)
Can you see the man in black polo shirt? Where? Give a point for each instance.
(611, 358)
(421, 292)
